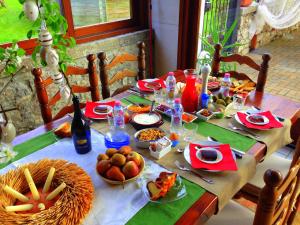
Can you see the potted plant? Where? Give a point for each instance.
(246, 3)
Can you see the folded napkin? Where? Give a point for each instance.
(157, 84)
(227, 163)
(89, 109)
(273, 123)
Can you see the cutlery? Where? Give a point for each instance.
(152, 105)
(239, 154)
(184, 168)
(241, 129)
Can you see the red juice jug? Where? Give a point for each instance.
(189, 98)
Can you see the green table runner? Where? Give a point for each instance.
(169, 213)
(31, 146)
(223, 135)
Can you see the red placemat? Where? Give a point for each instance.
(273, 123)
(142, 84)
(89, 109)
(227, 163)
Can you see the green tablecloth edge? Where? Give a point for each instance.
(168, 213)
(32, 145)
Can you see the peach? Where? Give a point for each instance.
(136, 157)
(111, 151)
(130, 169)
(125, 150)
(102, 157)
(103, 166)
(118, 159)
(115, 173)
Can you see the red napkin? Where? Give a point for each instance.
(143, 84)
(273, 123)
(227, 163)
(89, 109)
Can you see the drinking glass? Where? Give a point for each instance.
(110, 121)
(238, 101)
(190, 129)
(158, 95)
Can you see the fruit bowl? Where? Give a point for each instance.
(120, 166)
(115, 182)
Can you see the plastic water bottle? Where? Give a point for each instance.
(176, 117)
(170, 85)
(118, 114)
(225, 85)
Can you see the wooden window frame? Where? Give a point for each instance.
(138, 21)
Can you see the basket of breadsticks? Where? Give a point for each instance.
(45, 192)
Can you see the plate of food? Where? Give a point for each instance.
(167, 187)
(211, 144)
(145, 136)
(102, 109)
(166, 110)
(209, 155)
(257, 119)
(149, 85)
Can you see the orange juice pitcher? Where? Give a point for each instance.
(189, 98)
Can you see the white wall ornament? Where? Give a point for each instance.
(45, 38)
(58, 78)
(31, 10)
(52, 58)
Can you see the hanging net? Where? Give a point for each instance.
(278, 14)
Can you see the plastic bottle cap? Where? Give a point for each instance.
(171, 74)
(227, 75)
(177, 100)
(117, 103)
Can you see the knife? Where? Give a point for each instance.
(238, 153)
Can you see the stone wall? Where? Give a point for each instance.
(21, 92)
(267, 35)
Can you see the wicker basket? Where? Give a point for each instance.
(72, 206)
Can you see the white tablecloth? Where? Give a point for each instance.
(113, 204)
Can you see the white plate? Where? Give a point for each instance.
(109, 110)
(218, 159)
(266, 120)
(251, 112)
(186, 153)
(147, 80)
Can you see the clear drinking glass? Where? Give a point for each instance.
(238, 101)
(110, 121)
(190, 130)
(158, 95)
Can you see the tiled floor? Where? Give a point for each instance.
(284, 69)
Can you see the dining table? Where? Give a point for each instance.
(207, 204)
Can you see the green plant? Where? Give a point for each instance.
(217, 36)
(49, 11)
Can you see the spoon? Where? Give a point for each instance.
(152, 105)
(241, 129)
(180, 150)
(184, 168)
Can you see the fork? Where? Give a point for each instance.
(184, 168)
(241, 129)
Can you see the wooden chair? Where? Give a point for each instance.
(104, 67)
(252, 189)
(262, 69)
(276, 204)
(46, 104)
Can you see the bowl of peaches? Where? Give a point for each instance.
(120, 166)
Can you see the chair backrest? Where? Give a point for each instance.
(41, 88)
(119, 59)
(278, 198)
(262, 69)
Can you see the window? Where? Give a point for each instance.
(88, 20)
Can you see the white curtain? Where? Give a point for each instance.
(278, 14)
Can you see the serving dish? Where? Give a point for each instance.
(177, 191)
(132, 109)
(166, 110)
(148, 133)
(202, 114)
(115, 182)
(160, 147)
(146, 120)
